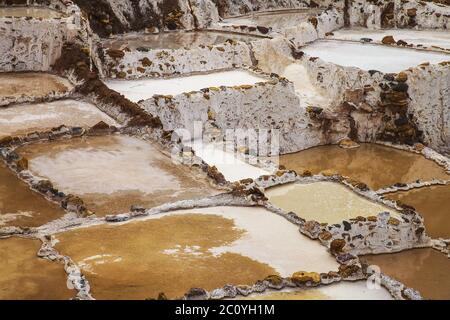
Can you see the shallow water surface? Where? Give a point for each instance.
(433, 203)
(340, 291)
(136, 90)
(175, 251)
(276, 19)
(36, 12)
(377, 166)
(325, 202)
(173, 40)
(425, 270)
(31, 84)
(111, 173)
(21, 207)
(24, 276)
(370, 56)
(26, 118)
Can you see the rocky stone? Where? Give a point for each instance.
(303, 278)
(337, 246)
(348, 144)
(388, 40)
(196, 294)
(401, 77)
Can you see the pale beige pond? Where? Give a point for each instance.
(173, 40)
(36, 12)
(112, 173)
(325, 202)
(24, 276)
(277, 19)
(176, 251)
(31, 85)
(26, 118)
(21, 207)
(377, 166)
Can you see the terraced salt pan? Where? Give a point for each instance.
(433, 203)
(310, 95)
(21, 207)
(176, 251)
(136, 90)
(26, 118)
(426, 38)
(24, 276)
(232, 168)
(113, 173)
(425, 270)
(31, 85)
(340, 291)
(325, 202)
(370, 56)
(377, 166)
(173, 40)
(278, 19)
(44, 13)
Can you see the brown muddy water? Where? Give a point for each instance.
(112, 173)
(44, 13)
(21, 207)
(433, 203)
(340, 291)
(325, 202)
(377, 166)
(31, 84)
(425, 270)
(26, 118)
(174, 40)
(174, 252)
(24, 276)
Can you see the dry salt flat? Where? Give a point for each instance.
(426, 38)
(137, 90)
(370, 56)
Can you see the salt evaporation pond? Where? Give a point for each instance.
(433, 203)
(36, 12)
(339, 291)
(310, 95)
(370, 56)
(179, 250)
(426, 38)
(173, 40)
(21, 207)
(232, 168)
(376, 165)
(31, 85)
(112, 173)
(25, 118)
(276, 19)
(425, 270)
(136, 90)
(325, 202)
(25, 276)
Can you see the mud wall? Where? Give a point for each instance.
(118, 16)
(31, 44)
(265, 105)
(429, 92)
(398, 13)
(161, 62)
